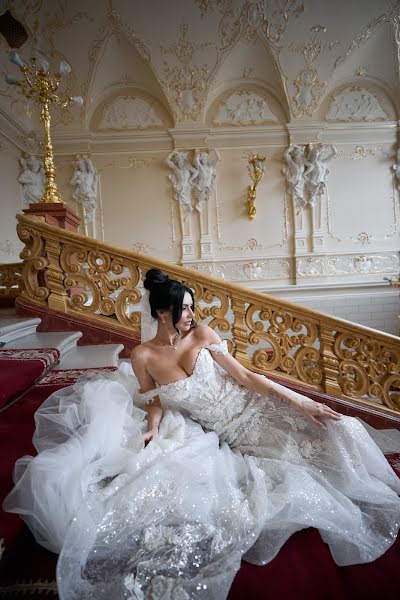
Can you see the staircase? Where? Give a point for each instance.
(21, 346)
(32, 366)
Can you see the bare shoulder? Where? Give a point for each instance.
(140, 353)
(205, 335)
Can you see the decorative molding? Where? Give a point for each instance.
(252, 244)
(361, 152)
(7, 248)
(244, 108)
(125, 112)
(355, 104)
(133, 163)
(309, 88)
(186, 84)
(141, 247)
(338, 265)
(307, 267)
(244, 270)
(360, 38)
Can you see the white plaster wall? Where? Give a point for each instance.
(349, 242)
(377, 306)
(11, 203)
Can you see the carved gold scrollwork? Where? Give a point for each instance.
(290, 342)
(367, 368)
(218, 313)
(34, 263)
(307, 365)
(101, 283)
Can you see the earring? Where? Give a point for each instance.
(163, 320)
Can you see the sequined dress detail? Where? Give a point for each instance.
(232, 475)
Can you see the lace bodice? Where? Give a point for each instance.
(209, 395)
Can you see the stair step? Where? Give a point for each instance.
(86, 357)
(13, 328)
(63, 341)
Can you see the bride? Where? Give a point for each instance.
(155, 486)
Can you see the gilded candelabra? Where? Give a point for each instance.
(256, 169)
(38, 83)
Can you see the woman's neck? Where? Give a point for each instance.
(167, 336)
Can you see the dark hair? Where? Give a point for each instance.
(165, 293)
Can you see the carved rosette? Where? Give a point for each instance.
(368, 368)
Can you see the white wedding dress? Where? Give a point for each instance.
(232, 474)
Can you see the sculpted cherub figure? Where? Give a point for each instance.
(204, 182)
(181, 178)
(32, 178)
(85, 178)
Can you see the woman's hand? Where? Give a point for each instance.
(317, 412)
(150, 436)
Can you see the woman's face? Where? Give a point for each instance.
(185, 322)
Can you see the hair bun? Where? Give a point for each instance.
(155, 278)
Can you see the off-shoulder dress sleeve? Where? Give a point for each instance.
(221, 348)
(147, 397)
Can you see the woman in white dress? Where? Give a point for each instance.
(160, 498)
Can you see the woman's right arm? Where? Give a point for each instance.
(147, 383)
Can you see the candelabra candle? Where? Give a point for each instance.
(38, 83)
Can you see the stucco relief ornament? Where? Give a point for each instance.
(182, 178)
(295, 173)
(129, 113)
(317, 172)
(204, 183)
(309, 91)
(306, 172)
(186, 83)
(356, 104)
(32, 178)
(244, 108)
(85, 178)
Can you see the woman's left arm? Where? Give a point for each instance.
(315, 411)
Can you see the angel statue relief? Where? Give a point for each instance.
(85, 178)
(182, 178)
(295, 172)
(205, 164)
(306, 172)
(318, 171)
(32, 178)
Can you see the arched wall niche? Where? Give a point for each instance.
(120, 66)
(108, 114)
(250, 63)
(359, 100)
(238, 95)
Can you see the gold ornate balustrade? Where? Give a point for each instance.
(11, 284)
(76, 274)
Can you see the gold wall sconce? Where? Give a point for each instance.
(256, 169)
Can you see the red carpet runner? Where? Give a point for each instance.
(19, 369)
